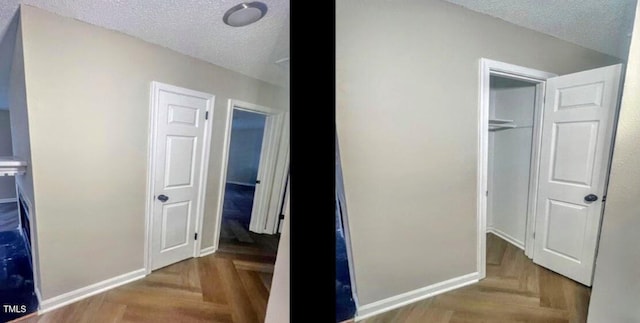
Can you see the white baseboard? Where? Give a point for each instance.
(207, 251)
(38, 295)
(239, 183)
(10, 200)
(84, 292)
(506, 237)
(394, 302)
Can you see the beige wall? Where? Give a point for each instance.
(616, 288)
(407, 100)
(88, 98)
(7, 183)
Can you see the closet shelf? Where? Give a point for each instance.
(11, 166)
(499, 121)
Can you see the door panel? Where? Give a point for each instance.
(566, 243)
(180, 123)
(580, 96)
(577, 132)
(573, 147)
(180, 160)
(176, 218)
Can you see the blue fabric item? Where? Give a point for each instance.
(345, 305)
(17, 296)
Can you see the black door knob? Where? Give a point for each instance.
(163, 198)
(591, 198)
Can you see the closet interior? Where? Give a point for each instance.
(512, 110)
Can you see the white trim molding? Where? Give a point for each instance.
(223, 174)
(84, 292)
(270, 163)
(413, 296)
(507, 237)
(38, 295)
(280, 177)
(9, 200)
(207, 251)
(487, 68)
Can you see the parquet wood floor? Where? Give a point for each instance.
(222, 287)
(515, 290)
(236, 239)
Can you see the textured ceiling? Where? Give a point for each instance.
(602, 25)
(191, 27)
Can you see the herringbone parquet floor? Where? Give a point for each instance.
(222, 287)
(515, 290)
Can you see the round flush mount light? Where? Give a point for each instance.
(245, 14)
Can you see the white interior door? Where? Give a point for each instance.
(577, 133)
(260, 197)
(266, 171)
(180, 131)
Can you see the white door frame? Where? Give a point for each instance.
(151, 164)
(272, 140)
(281, 174)
(487, 68)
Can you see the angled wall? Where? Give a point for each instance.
(616, 287)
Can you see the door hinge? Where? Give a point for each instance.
(206, 115)
(281, 216)
(604, 198)
(195, 236)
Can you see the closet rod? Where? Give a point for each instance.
(518, 78)
(505, 127)
(500, 121)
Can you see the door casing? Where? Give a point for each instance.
(151, 164)
(275, 133)
(487, 69)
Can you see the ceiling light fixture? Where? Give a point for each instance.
(245, 14)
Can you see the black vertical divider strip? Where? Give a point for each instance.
(312, 169)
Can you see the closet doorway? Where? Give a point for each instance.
(545, 146)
